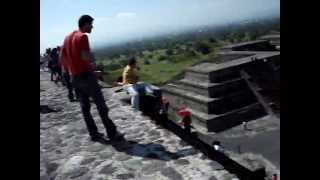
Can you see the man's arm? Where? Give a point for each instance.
(86, 54)
(85, 49)
(62, 58)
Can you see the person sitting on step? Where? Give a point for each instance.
(131, 84)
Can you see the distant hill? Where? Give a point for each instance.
(256, 27)
(164, 57)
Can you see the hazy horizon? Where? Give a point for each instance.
(118, 21)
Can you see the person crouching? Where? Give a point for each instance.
(131, 84)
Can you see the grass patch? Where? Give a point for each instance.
(159, 71)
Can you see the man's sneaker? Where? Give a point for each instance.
(73, 99)
(117, 137)
(97, 137)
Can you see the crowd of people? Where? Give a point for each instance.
(53, 61)
(74, 65)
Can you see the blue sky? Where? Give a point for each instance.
(121, 20)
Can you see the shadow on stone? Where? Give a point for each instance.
(147, 151)
(44, 109)
(230, 165)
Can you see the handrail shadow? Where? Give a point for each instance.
(230, 165)
(147, 151)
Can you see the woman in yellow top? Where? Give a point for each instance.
(131, 84)
(129, 74)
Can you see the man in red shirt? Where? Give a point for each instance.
(66, 76)
(79, 62)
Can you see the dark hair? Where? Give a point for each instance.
(84, 19)
(54, 50)
(132, 61)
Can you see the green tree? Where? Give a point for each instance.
(162, 58)
(213, 40)
(146, 62)
(202, 47)
(169, 52)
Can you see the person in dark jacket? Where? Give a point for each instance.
(79, 62)
(55, 66)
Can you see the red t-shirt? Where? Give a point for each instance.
(63, 56)
(73, 45)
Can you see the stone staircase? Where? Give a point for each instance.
(274, 39)
(215, 93)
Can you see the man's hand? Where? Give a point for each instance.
(92, 57)
(94, 66)
(86, 55)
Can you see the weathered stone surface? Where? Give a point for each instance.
(172, 142)
(83, 177)
(108, 169)
(182, 162)
(159, 141)
(183, 143)
(212, 178)
(154, 138)
(71, 168)
(96, 147)
(88, 160)
(68, 154)
(171, 173)
(125, 176)
(58, 152)
(45, 177)
(51, 167)
(215, 165)
(81, 171)
(154, 133)
(106, 154)
(122, 157)
(133, 164)
(153, 166)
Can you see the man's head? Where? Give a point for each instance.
(132, 61)
(48, 51)
(54, 50)
(85, 23)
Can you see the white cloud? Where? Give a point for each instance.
(101, 20)
(126, 15)
(120, 24)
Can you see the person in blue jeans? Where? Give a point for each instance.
(131, 84)
(78, 58)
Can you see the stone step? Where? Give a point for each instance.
(183, 98)
(257, 45)
(216, 73)
(226, 56)
(212, 77)
(216, 123)
(271, 37)
(212, 90)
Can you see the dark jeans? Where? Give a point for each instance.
(52, 73)
(56, 71)
(67, 82)
(87, 86)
